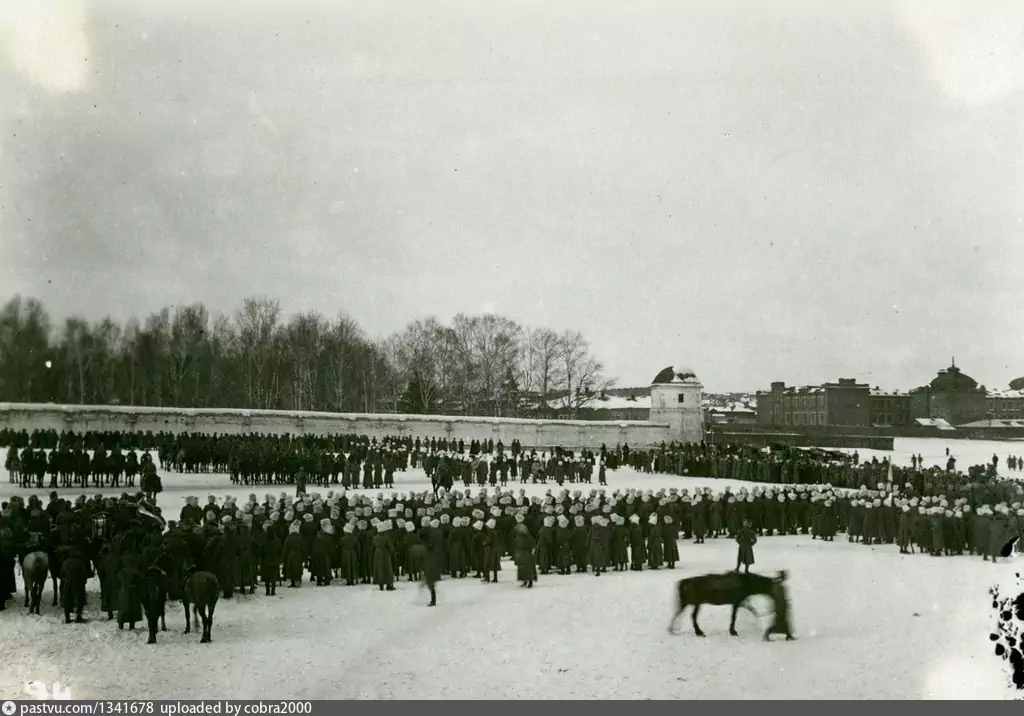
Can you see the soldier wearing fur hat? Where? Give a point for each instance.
(323, 554)
(526, 564)
(698, 516)
(348, 546)
(637, 547)
(546, 544)
(600, 543)
(492, 551)
(655, 543)
(670, 537)
(293, 554)
(383, 562)
(563, 545)
(580, 541)
(270, 561)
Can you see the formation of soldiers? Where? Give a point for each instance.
(351, 461)
(800, 466)
(361, 539)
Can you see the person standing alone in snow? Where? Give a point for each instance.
(746, 540)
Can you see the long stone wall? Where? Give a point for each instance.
(530, 433)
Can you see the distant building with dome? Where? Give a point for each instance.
(953, 396)
(676, 400)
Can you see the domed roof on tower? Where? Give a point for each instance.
(952, 379)
(671, 375)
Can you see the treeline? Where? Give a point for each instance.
(259, 358)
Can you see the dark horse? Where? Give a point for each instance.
(34, 569)
(734, 589)
(201, 593)
(74, 573)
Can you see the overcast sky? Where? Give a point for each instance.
(758, 197)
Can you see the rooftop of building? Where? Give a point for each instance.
(671, 375)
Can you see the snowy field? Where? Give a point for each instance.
(933, 450)
(870, 623)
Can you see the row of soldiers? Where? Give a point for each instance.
(362, 461)
(362, 539)
(74, 468)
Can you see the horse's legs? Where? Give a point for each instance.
(188, 620)
(675, 619)
(732, 622)
(696, 626)
(55, 592)
(207, 618)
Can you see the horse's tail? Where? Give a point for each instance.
(683, 590)
(36, 566)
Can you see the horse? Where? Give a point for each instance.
(202, 589)
(73, 576)
(56, 556)
(154, 601)
(734, 589)
(34, 569)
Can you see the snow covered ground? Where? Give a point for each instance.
(870, 624)
(933, 450)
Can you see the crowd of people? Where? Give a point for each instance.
(375, 539)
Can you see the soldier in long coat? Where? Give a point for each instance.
(270, 562)
(293, 555)
(323, 554)
(492, 551)
(546, 545)
(479, 548)
(383, 565)
(637, 548)
(655, 543)
(600, 545)
(349, 546)
(580, 544)
(746, 539)
(129, 603)
(670, 537)
(563, 546)
(458, 564)
(109, 568)
(526, 565)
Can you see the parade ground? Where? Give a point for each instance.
(869, 622)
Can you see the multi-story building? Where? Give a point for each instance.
(843, 403)
(1005, 404)
(890, 409)
(952, 396)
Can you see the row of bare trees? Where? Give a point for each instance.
(257, 358)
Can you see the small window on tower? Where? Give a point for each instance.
(682, 398)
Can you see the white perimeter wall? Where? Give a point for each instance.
(531, 433)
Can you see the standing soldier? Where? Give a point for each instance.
(431, 569)
(526, 563)
(746, 540)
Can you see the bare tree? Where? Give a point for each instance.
(581, 372)
(258, 334)
(546, 352)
